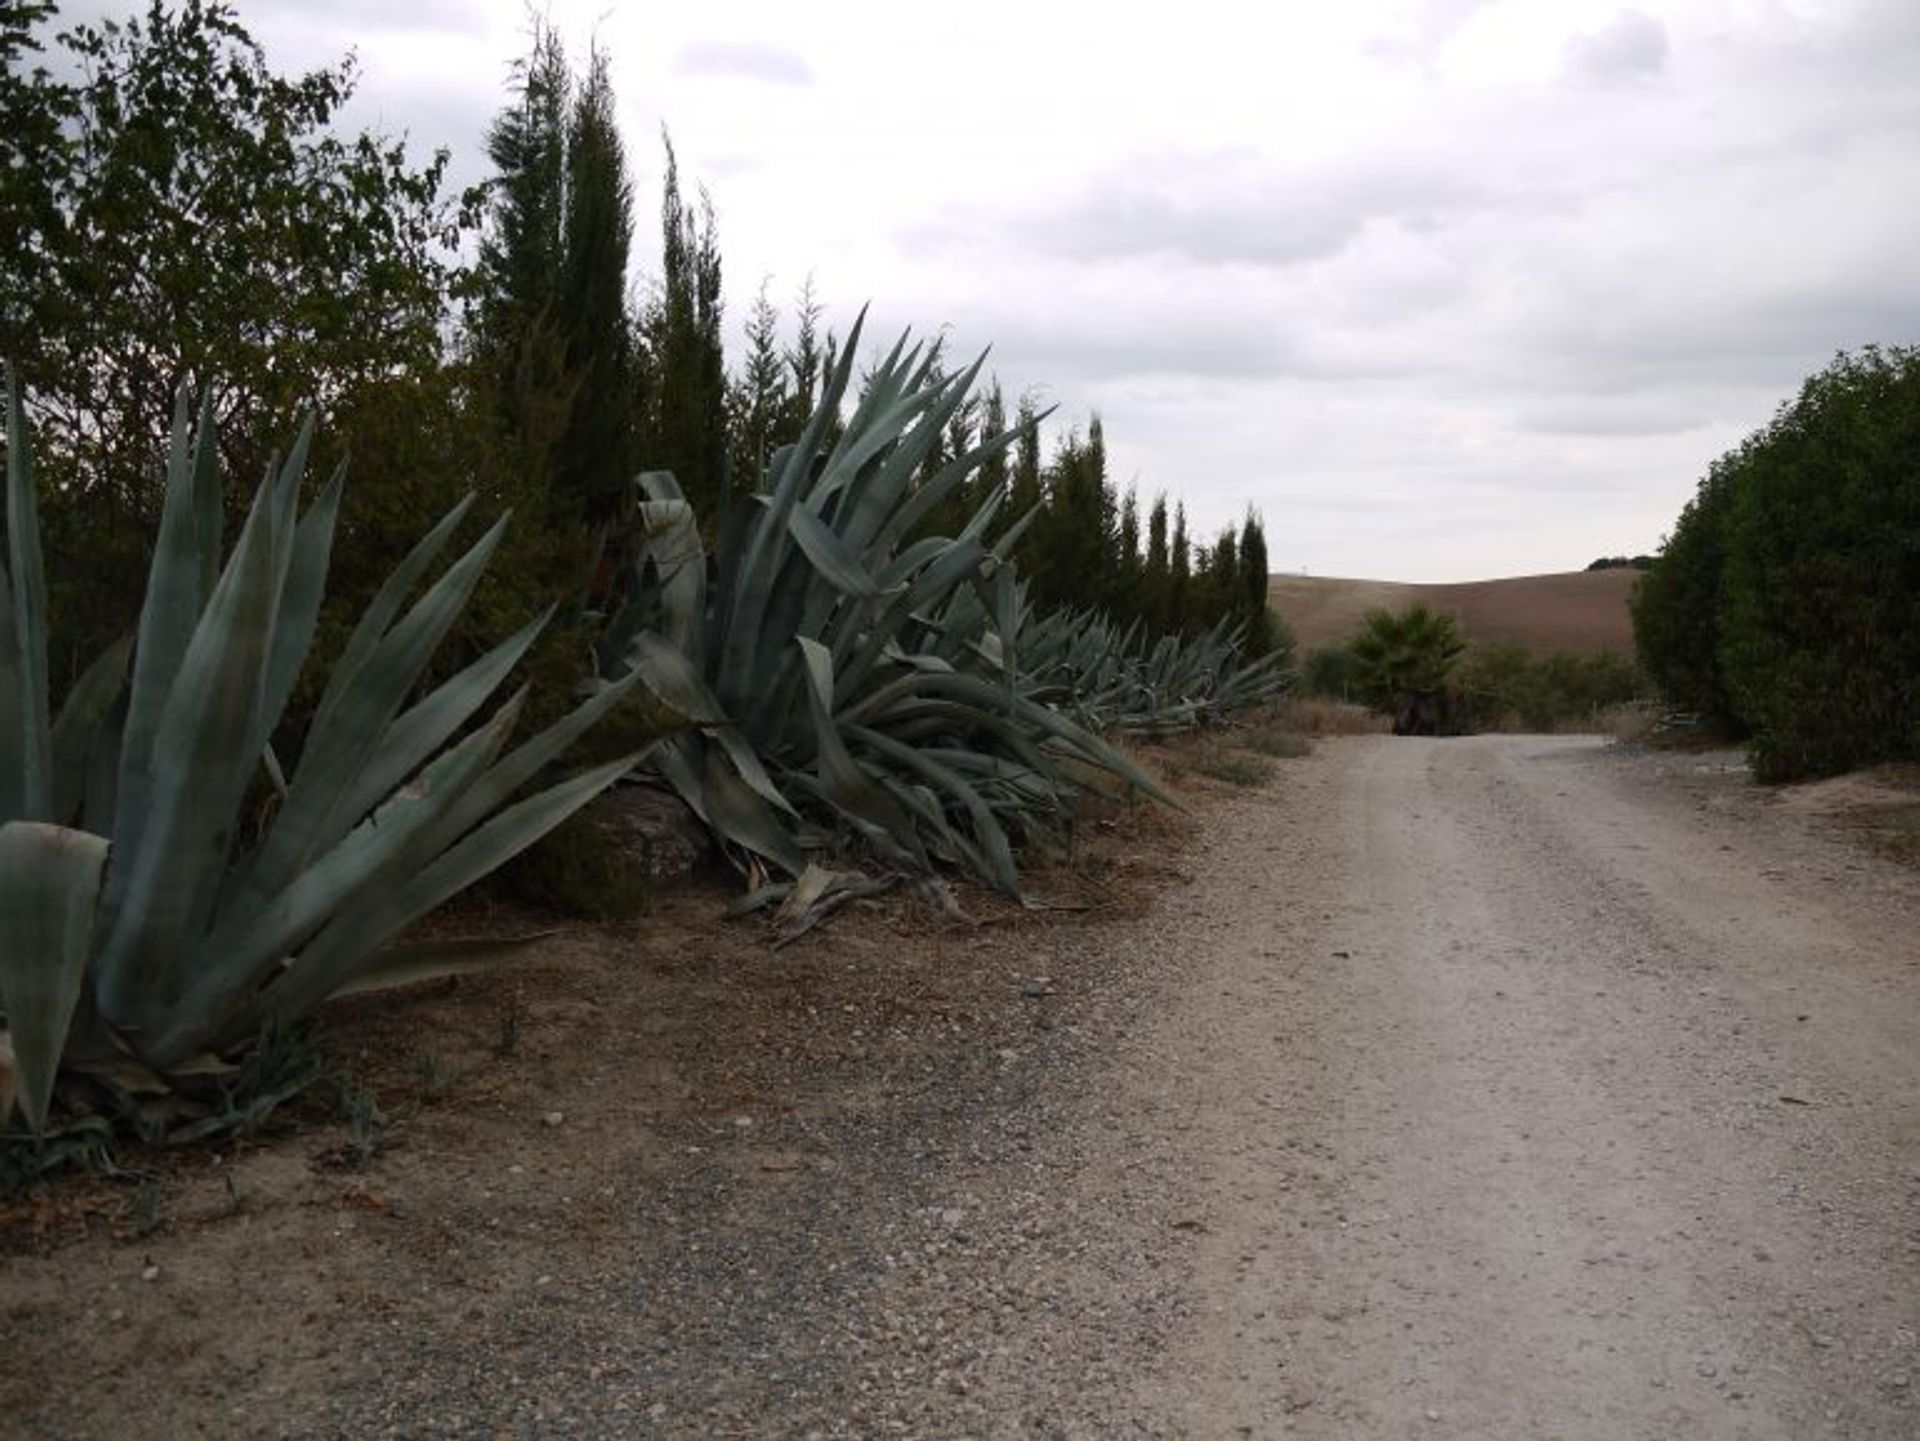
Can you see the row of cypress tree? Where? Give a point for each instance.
(595, 388)
(1785, 606)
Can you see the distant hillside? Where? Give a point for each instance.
(1581, 610)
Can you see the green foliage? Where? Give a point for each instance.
(1114, 678)
(550, 322)
(683, 425)
(1508, 687)
(168, 889)
(1787, 599)
(1405, 667)
(1679, 605)
(1821, 644)
(180, 209)
(1331, 672)
(840, 675)
(171, 208)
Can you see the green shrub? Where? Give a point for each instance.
(1679, 604)
(1507, 687)
(1821, 626)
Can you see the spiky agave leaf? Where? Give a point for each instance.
(838, 650)
(178, 945)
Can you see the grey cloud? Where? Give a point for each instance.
(1632, 46)
(1597, 416)
(769, 64)
(1236, 209)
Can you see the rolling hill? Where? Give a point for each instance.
(1578, 610)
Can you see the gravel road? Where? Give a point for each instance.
(1503, 1087)
(1536, 1093)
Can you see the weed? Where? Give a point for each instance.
(146, 1208)
(1235, 767)
(364, 1124)
(1275, 739)
(434, 1080)
(509, 1041)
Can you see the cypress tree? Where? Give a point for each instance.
(515, 325)
(760, 400)
(1179, 574)
(596, 455)
(1159, 574)
(685, 427)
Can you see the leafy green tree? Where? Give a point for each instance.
(174, 209)
(1679, 604)
(178, 209)
(1405, 667)
(1821, 638)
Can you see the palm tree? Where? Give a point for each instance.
(1405, 663)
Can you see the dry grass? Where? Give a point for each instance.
(1629, 722)
(1580, 610)
(1311, 716)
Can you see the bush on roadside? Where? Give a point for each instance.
(1508, 687)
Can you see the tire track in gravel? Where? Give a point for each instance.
(1530, 1098)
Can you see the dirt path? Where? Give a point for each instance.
(1494, 1088)
(1535, 1099)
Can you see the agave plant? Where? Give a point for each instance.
(139, 936)
(1111, 678)
(837, 668)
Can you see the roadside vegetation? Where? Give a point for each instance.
(1785, 606)
(1418, 671)
(858, 612)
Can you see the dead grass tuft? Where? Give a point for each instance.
(1311, 716)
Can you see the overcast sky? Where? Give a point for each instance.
(1446, 288)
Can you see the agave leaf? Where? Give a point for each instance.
(86, 708)
(385, 605)
(740, 815)
(29, 625)
(852, 791)
(240, 955)
(679, 760)
(199, 467)
(397, 966)
(196, 787)
(672, 543)
(998, 867)
(670, 675)
(747, 601)
(49, 900)
(829, 556)
(12, 717)
(424, 727)
(177, 591)
(514, 770)
(335, 956)
(748, 765)
(304, 587)
(324, 786)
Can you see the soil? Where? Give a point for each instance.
(1583, 610)
(1511, 1086)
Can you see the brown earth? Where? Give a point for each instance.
(1579, 610)
(1513, 1086)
